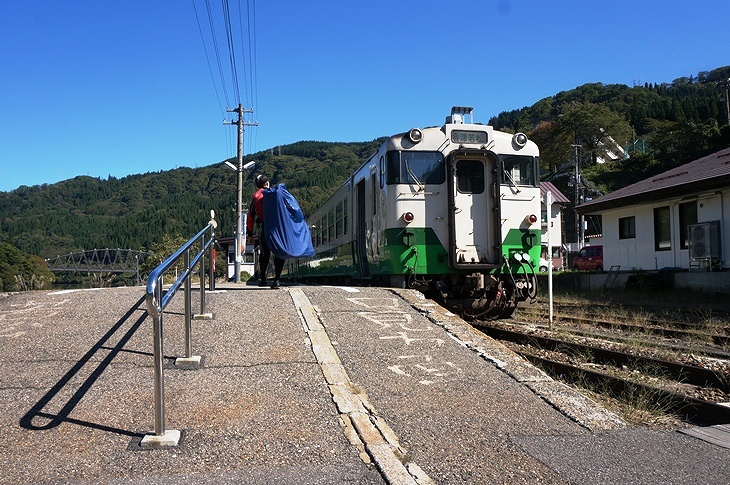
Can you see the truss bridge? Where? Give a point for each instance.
(99, 261)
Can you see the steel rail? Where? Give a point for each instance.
(686, 373)
(693, 410)
(721, 340)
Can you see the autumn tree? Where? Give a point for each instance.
(595, 127)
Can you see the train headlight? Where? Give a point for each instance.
(519, 140)
(408, 217)
(415, 135)
(532, 218)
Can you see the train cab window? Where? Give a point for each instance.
(470, 176)
(417, 168)
(519, 170)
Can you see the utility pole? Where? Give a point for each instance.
(576, 182)
(239, 241)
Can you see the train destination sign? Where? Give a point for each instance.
(461, 136)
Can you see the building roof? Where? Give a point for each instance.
(558, 196)
(706, 173)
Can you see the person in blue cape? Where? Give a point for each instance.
(286, 231)
(256, 227)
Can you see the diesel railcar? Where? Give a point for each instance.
(451, 211)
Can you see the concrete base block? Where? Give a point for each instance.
(192, 363)
(170, 437)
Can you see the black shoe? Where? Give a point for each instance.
(274, 285)
(263, 283)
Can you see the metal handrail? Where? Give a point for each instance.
(157, 301)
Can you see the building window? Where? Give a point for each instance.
(662, 229)
(627, 227)
(687, 216)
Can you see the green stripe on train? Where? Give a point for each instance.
(415, 250)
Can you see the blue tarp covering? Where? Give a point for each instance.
(285, 228)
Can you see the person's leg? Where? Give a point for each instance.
(278, 267)
(263, 261)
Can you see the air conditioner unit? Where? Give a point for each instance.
(704, 240)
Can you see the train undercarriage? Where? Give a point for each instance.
(478, 296)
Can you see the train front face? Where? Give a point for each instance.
(463, 214)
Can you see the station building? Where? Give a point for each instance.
(678, 220)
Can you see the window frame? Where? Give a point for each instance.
(662, 228)
(395, 167)
(474, 178)
(627, 227)
(686, 218)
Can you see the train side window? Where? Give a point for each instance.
(393, 166)
(344, 215)
(382, 171)
(331, 224)
(470, 176)
(375, 194)
(338, 217)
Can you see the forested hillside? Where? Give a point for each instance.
(135, 211)
(661, 125)
(644, 129)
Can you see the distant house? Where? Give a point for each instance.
(677, 219)
(228, 244)
(552, 220)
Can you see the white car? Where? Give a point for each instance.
(543, 265)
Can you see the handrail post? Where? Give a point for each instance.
(201, 272)
(158, 371)
(188, 311)
(211, 281)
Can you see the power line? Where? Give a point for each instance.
(231, 50)
(230, 84)
(207, 58)
(214, 38)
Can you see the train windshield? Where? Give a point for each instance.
(519, 170)
(418, 168)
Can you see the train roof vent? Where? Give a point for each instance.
(458, 113)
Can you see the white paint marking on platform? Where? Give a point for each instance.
(65, 292)
(344, 288)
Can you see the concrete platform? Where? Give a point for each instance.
(302, 385)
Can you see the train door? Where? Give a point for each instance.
(361, 230)
(474, 215)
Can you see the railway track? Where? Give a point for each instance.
(718, 334)
(675, 368)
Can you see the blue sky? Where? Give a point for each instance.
(101, 87)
